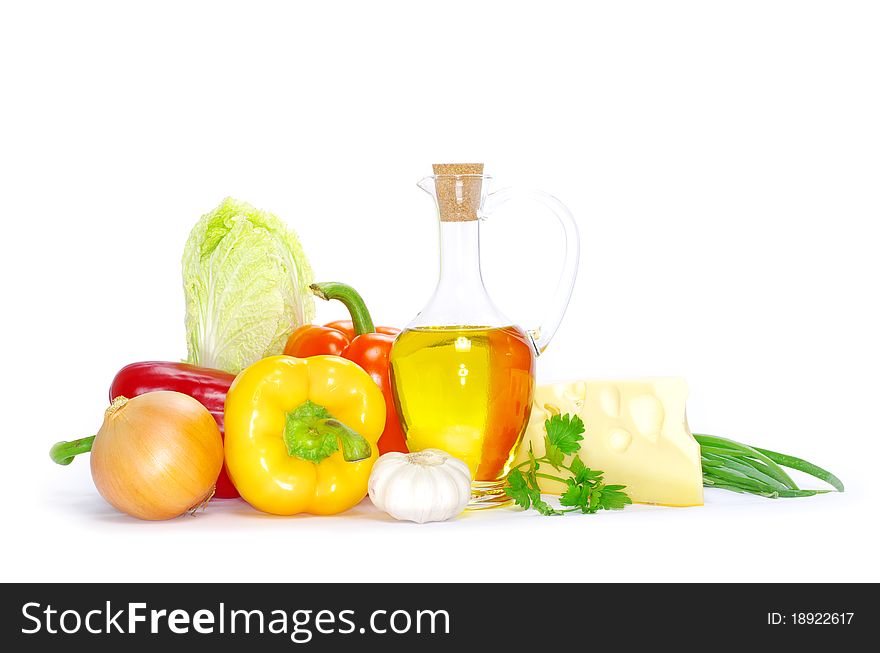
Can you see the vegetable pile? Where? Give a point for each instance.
(300, 418)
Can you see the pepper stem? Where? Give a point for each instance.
(63, 453)
(360, 316)
(311, 433)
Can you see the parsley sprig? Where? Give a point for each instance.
(586, 490)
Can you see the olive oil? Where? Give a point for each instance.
(466, 390)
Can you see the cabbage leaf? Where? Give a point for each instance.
(246, 283)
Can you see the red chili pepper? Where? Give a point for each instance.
(359, 341)
(205, 385)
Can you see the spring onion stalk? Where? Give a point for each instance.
(804, 466)
(737, 467)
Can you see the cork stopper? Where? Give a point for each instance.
(459, 189)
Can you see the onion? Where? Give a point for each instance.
(157, 455)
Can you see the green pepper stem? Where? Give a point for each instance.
(360, 316)
(311, 433)
(63, 453)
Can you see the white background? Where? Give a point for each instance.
(721, 160)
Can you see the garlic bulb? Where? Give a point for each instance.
(428, 485)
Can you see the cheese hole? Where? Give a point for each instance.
(609, 400)
(619, 440)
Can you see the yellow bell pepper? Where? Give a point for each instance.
(285, 419)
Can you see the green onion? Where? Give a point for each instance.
(750, 471)
(804, 466)
(731, 448)
(737, 467)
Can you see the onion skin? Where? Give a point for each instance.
(157, 455)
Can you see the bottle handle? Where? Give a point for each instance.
(542, 334)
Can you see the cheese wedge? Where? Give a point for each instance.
(636, 432)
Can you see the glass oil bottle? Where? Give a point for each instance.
(463, 374)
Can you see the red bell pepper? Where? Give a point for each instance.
(359, 341)
(205, 385)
